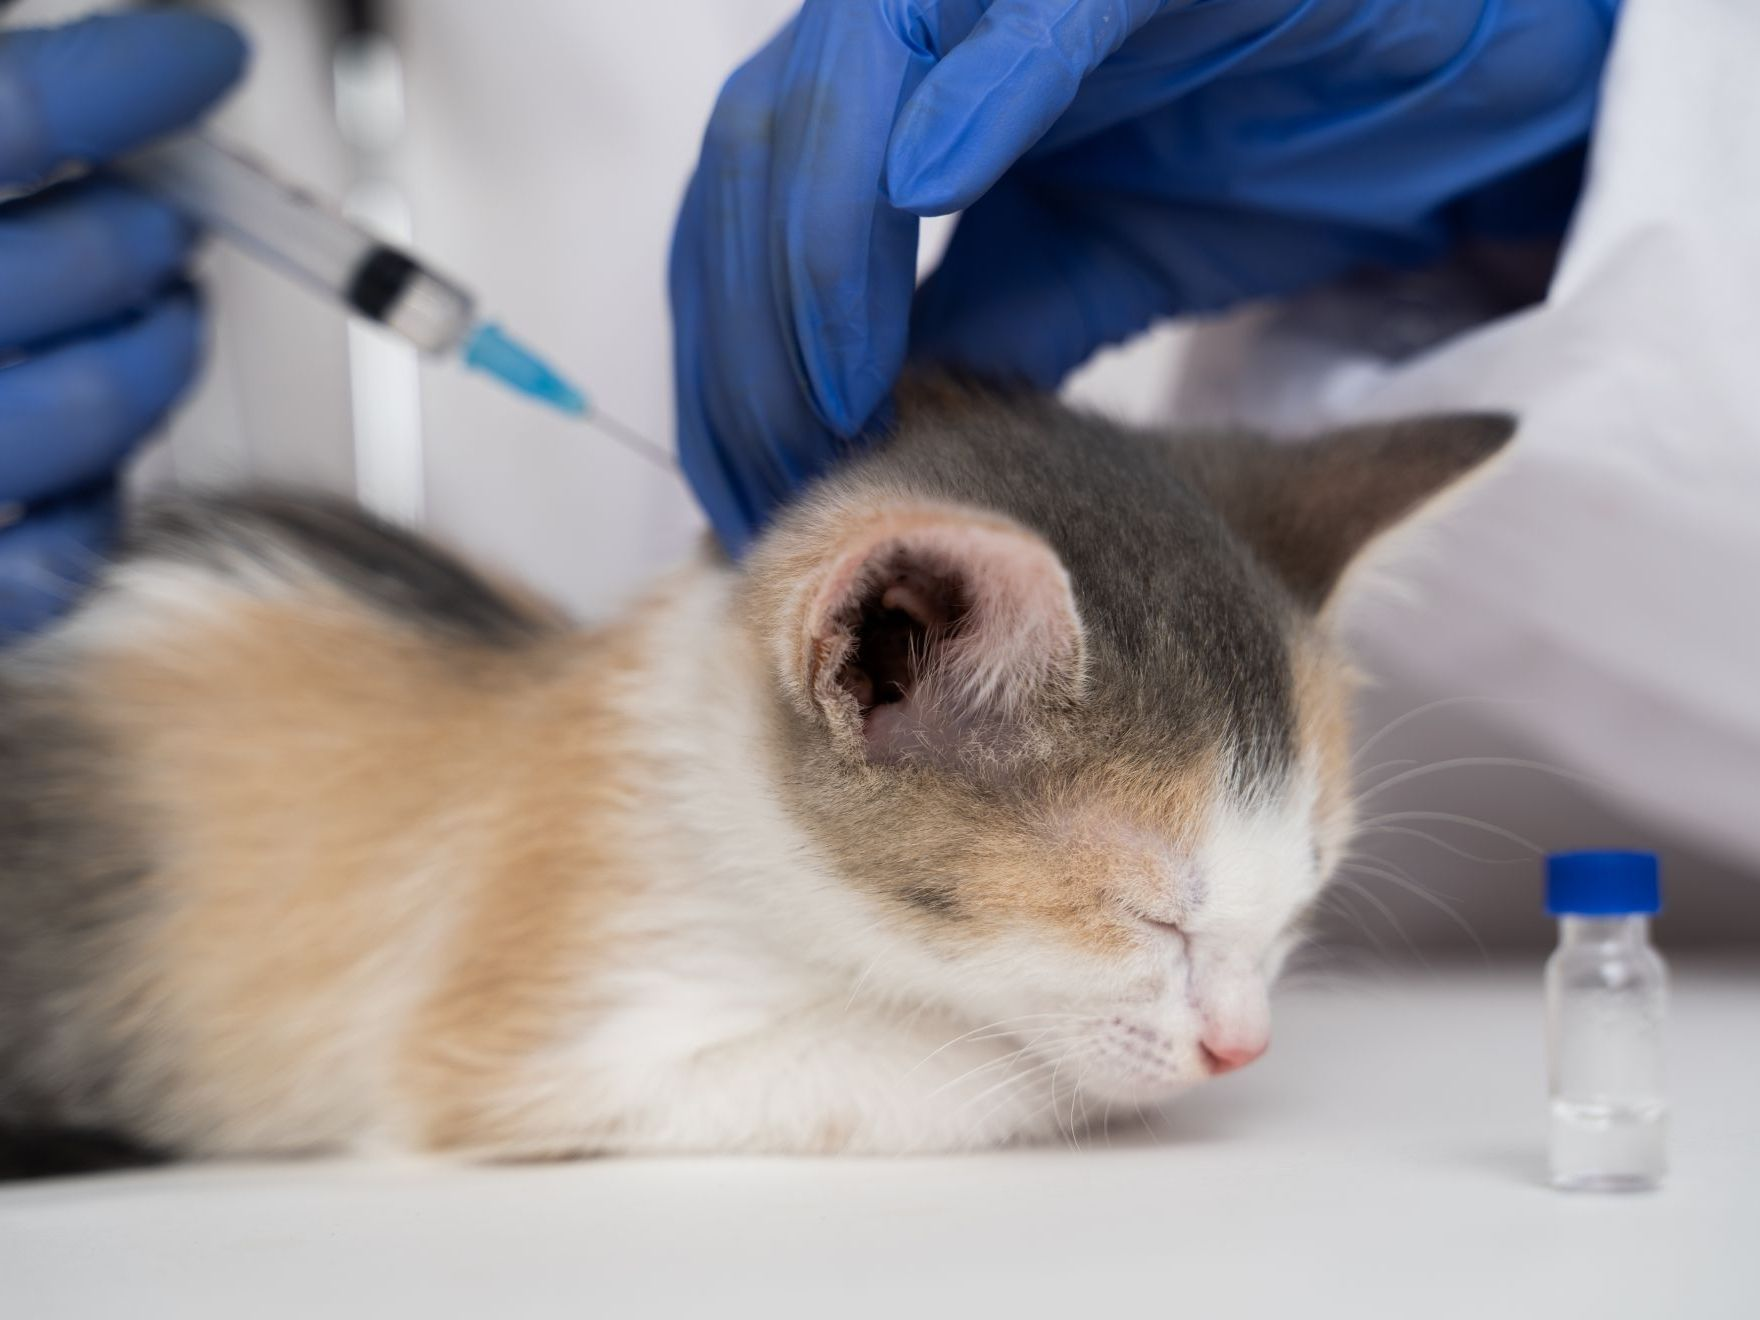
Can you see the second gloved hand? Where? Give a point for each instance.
(98, 332)
(1117, 161)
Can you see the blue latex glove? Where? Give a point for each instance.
(1117, 161)
(99, 335)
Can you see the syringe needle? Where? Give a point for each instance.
(315, 243)
(491, 349)
(631, 439)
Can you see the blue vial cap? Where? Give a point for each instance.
(1602, 884)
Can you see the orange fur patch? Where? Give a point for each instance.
(379, 864)
(1323, 688)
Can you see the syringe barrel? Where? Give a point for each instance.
(305, 237)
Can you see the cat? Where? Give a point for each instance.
(996, 779)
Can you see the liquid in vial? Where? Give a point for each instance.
(1606, 990)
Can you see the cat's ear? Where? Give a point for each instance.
(1310, 508)
(913, 629)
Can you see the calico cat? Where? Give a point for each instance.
(1002, 771)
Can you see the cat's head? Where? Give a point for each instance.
(1058, 700)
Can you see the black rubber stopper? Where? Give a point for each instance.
(379, 281)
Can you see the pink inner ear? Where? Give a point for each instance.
(912, 599)
(928, 621)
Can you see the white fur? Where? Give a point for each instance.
(765, 1004)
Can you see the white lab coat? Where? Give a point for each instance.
(1594, 606)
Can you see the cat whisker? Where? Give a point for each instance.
(1087, 1127)
(862, 980)
(1392, 817)
(1056, 1118)
(1085, 1050)
(1387, 913)
(1466, 762)
(1382, 767)
(1444, 844)
(1333, 901)
(1400, 721)
(1155, 1122)
(1435, 900)
(1007, 1085)
(1006, 1023)
(1076, 1095)
(1000, 1061)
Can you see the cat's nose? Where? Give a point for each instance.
(1234, 1013)
(1224, 1054)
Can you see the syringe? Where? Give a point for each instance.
(290, 229)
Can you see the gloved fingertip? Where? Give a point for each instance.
(104, 85)
(735, 536)
(866, 394)
(213, 54)
(185, 326)
(153, 362)
(71, 415)
(154, 236)
(921, 180)
(83, 254)
(705, 472)
(49, 560)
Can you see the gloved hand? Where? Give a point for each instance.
(98, 333)
(1117, 161)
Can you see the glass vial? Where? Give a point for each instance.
(1606, 990)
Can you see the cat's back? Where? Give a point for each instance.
(240, 779)
(256, 650)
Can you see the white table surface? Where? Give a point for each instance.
(1384, 1159)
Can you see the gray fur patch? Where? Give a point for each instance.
(940, 900)
(1186, 631)
(386, 568)
(71, 876)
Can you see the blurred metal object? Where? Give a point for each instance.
(366, 78)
